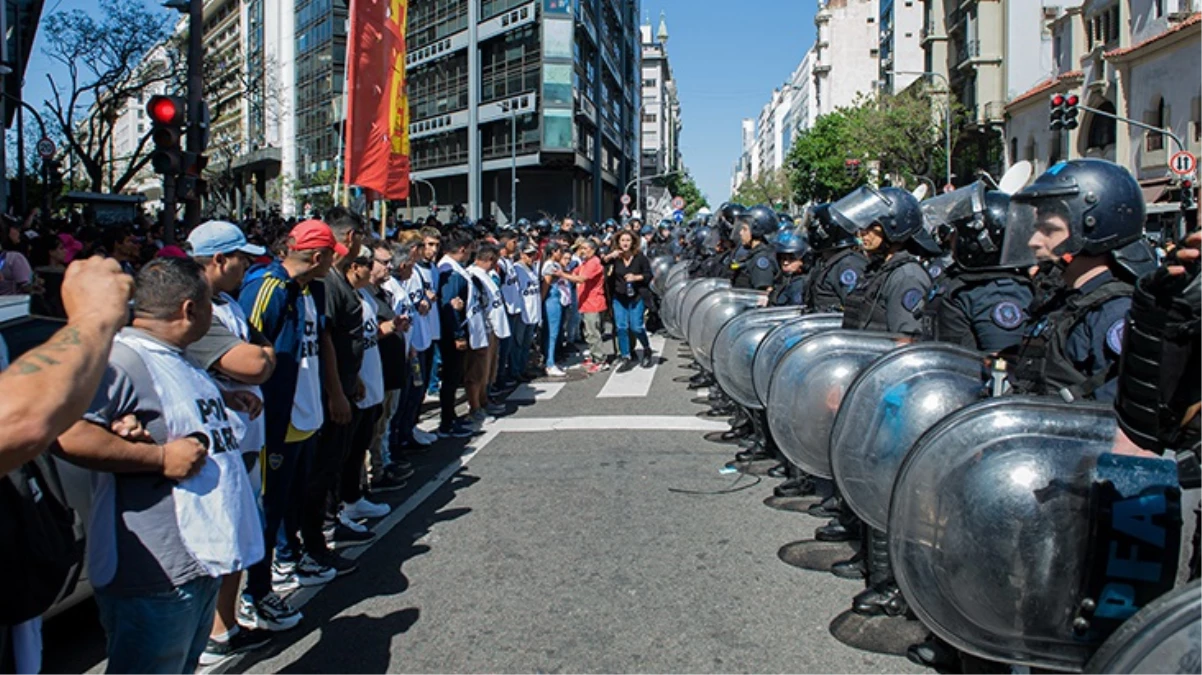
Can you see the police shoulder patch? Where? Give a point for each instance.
(935, 271)
(1007, 315)
(762, 263)
(848, 277)
(1114, 336)
(911, 298)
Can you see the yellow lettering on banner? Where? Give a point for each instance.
(399, 112)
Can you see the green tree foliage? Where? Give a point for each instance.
(769, 187)
(682, 185)
(817, 162)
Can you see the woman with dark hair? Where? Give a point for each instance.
(557, 295)
(630, 273)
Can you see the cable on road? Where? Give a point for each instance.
(725, 491)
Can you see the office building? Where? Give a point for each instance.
(661, 119)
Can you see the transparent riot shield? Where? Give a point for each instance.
(713, 313)
(1017, 536)
(695, 292)
(735, 347)
(778, 342)
(807, 387)
(893, 402)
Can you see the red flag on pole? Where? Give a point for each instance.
(377, 114)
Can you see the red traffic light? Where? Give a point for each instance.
(167, 110)
(1058, 100)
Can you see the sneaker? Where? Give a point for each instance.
(241, 641)
(478, 417)
(362, 508)
(341, 566)
(347, 522)
(495, 409)
(391, 480)
(342, 536)
(309, 572)
(554, 371)
(422, 437)
(456, 431)
(625, 364)
(271, 613)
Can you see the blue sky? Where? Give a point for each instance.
(726, 56)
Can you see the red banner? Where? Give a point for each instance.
(377, 112)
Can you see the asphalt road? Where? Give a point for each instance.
(556, 543)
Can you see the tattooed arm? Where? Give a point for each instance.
(48, 388)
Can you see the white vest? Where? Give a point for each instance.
(215, 509)
(428, 278)
(511, 290)
(532, 302)
(494, 306)
(477, 327)
(233, 317)
(405, 295)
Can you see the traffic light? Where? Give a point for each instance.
(54, 175)
(1187, 194)
(167, 117)
(852, 167)
(1064, 111)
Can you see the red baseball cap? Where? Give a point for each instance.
(313, 234)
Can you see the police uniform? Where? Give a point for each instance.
(1075, 341)
(833, 279)
(891, 297)
(757, 270)
(988, 311)
(789, 291)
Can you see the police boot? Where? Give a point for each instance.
(798, 486)
(836, 531)
(934, 653)
(724, 409)
(737, 433)
(882, 596)
(830, 507)
(716, 395)
(855, 567)
(755, 453)
(778, 471)
(701, 380)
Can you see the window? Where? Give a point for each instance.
(1102, 130)
(1158, 8)
(649, 83)
(1156, 117)
(650, 118)
(1013, 150)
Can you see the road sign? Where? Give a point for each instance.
(625, 200)
(677, 203)
(1183, 163)
(46, 148)
(678, 215)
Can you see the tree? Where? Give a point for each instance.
(817, 164)
(106, 63)
(682, 185)
(904, 133)
(770, 187)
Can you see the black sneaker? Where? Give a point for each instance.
(392, 479)
(342, 566)
(242, 641)
(346, 537)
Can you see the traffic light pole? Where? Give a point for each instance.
(195, 139)
(1134, 123)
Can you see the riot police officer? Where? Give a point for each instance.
(791, 250)
(838, 266)
(976, 303)
(889, 224)
(758, 268)
(1086, 218)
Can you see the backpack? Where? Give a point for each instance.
(41, 541)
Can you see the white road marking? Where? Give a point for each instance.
(635, 383)
(533, 392)
(607, 423)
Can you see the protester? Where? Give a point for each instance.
(156, 577)
(531, 310)
(480, 364)
(511, 295)
(557, 296)
(590, 280)
(630, 274)
(392, 265)
(455, 295)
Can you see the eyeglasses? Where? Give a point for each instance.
(386, 263)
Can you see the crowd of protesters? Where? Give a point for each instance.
(274, 371)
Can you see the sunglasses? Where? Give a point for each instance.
(390, 264)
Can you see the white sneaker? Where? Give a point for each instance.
(271, 613)
(424, 437)
(350, 524)
(554, 371)
(364, 509)
(307, 572)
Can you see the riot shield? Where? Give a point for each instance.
(1017, 536)
(712, 314)
(1164, 637)
(667, 309)
(893, 401)
(692, 295)
(659, 273)
(778, 342)
(808, 386)
(735, 347)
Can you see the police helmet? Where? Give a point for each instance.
(523, 224)
(543, 226)
(979, 239)
(700, 236)
(1098, 201)
(730, 212)
(791, 241)
(893, 209)
(824, 234)
(761, 220)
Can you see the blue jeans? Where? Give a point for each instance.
(285, 468)
(505, 353)
(554, 314)
(158, 632)
(411, 396)
(433, 383)
(629, 318)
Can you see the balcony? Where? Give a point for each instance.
(967, 50)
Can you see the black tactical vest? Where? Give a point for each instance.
(1043, 366)
(788, 291)
(741, 269)
(939, 321)
(820, 293)
(866, 309)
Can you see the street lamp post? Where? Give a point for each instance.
(433, 192)
(626, 190)
(512, 107)
(947, 117)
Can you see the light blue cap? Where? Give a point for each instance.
(219, 236)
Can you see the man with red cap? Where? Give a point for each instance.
(279, 304)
